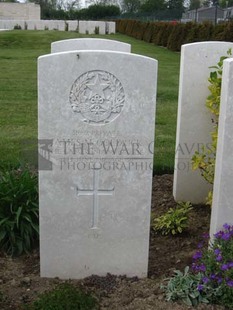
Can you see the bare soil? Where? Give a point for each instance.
(20, 281)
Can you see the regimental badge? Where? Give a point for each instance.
(97, 97)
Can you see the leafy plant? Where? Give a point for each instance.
(1, 296)
(19, 220)
(17, 27)
(97, 30)
(205, 159)
(184, 286)
(174, 221)
(216, 264)
(65, 296)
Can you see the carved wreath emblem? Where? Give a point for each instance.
(97, 96)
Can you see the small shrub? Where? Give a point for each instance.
(174, 221)
(1, 296)
(17, 27)
(46, 28)
(19, 219)
(65, 296)
(25, 26)
(97, 30)
(183, 286)
(66, 26)
(204, 160)
(216, 265)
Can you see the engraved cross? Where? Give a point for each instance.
(95, 191)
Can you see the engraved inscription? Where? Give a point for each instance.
(95, 191)
(97, 97)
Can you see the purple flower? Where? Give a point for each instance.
(226, 236)
(213, 276)
(230, 283)
(205, 280)
(219, 258)
(197, 255)
(230, 265)
(200, 245)
(217, 251)
(200, 287)
(224, 267)
(219, 234)
(202, 267)
(219, 279)
(206, 236)
(226, 226)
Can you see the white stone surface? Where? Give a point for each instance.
(40, 25)
(95, 203)
(193, 120)
(73, 25)
(89, 44)
(222, 207)
(51, 25)
(110, 27)
(88, 27)
(19, 11)
(31, 24)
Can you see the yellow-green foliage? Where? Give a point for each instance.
(174, 221)
(205, 159)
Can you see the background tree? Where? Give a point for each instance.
(175, 5)
(225, 3)
(131, 6)
(69, 5)
(207, 3)
(153, 5)
(194, 4)
(8, 1)
(98, 11)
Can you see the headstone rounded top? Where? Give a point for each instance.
(97, 97)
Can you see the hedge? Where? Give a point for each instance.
(174, 34)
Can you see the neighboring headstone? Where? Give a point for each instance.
(96, 132)
(194, 120)
(31, 25)
(110, 27)
(40, 25)
(72, 25)
(91, 27)
(59, 25)
(51, 25)
(222, 207)
(89, 44)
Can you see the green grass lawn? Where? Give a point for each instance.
(19, 51)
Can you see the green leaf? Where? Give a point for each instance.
(2, 235)
(18, 215)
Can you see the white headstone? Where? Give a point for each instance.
(222, 207)
(40, 25)
(9, 24)
(51, 25)
(59, 25)
(91, 27)
(194, 120)
(31, 25)
(72, 25)
(89, 44)
(97, 111)
(110, 28)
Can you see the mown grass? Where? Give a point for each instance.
(19, 51)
